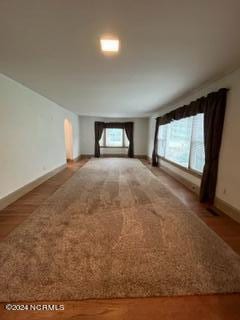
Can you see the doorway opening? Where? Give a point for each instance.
(68, 132)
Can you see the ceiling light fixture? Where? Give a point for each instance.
(109, 45)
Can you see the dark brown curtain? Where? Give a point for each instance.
(213, 127)
(129, 133)
(99, 127)
(213, 106)
(154, 154)
(128, 126)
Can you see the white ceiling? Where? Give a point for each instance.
(169, 47)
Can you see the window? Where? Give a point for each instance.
(197, 158)
(162, 137)
(178, 141)
(182, 142)
(112, 137)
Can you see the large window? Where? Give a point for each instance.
(114, 138)
(182, 142)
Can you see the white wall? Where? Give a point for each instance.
(31, 135)
(228, 184)
(87, 135)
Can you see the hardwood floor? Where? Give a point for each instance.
(223, 225)
(178, 308)
(210, 307)
(17, 212)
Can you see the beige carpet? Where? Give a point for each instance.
(113, 230)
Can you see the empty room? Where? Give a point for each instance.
(119, 159)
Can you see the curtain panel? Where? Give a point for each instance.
(128, 126)
(129, 132)
(99, 127)
(213, 107)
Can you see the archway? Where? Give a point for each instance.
(68, 132)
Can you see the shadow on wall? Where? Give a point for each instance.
(68, 133)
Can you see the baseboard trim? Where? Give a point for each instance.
(12, 197)
(226, 208)
(78, 158)
(140, 156)
(189, 185)
(219, 205)
(112, 155)
(86, 156)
